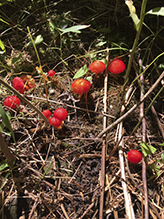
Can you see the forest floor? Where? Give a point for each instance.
(58, 171)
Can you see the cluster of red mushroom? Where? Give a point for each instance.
(24, 83)
(21, 84)
(115, 66)
(59, 115)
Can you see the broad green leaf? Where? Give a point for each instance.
(3, 165)
(2, 47)
(74, 29)
(157, 11)
(16, 59)
(82, 71)
(147, 149)
(6, 121)
(161, 144)
(133, 14)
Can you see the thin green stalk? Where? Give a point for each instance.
(34, 47)
(40, 66)
(142, 15)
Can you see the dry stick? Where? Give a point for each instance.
(128, 203)
(26, 101)
(132, 109)
(144, 140)
(157, 120)
(102, 174)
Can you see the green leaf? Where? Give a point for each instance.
(156, 168)
(161, 144)
(16, 59)
(2, 125)
(37, 40)
(3, 165)
(161, 66)
(82, 71)
(162, 156)
(74, 29)
(100, 44)
(2, 47)
(147, 149)
(89, 78)
(157, 11)
(6, 121)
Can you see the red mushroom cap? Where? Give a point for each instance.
(18, 84)
(55, 122)
(134, 156)
(46, 113)
(80, 86)
(61, 114)
(51, 73)
(97, 67)
(116, 66)
(12, 102)
(29, 82)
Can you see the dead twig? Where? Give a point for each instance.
(103, 151)
(144, 140)
(128, 203)
(157, 120)
(132, 109)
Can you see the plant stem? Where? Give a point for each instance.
(142, 15)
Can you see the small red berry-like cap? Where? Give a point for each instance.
(61, 114)
(46, 113)
(29, 82)
(12, 102)
(51, 73)
(80, 86)
(134, 156)
(18, 84)
(116, 66)
(55, 122)
(97, 67)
